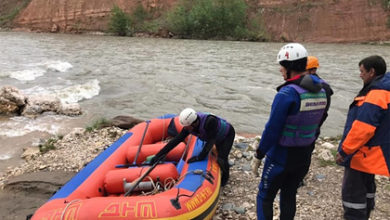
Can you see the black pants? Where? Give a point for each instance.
(358, 194)
(285, 178)
(223, 149)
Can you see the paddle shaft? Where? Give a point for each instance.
(142, 141)
(185, 149)
(135, 183)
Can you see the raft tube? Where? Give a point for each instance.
(97, 191)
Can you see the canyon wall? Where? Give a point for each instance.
(283, 20)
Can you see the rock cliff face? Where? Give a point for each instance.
(78, 15)
(284, 20)
(327, 20)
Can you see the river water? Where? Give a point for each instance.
(146, 78)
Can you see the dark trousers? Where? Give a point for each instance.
(358, 194)
(276, 177)
(223, 149)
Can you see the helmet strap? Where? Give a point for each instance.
(288, 74)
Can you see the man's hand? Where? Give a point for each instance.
(255, 166)
(339, 158)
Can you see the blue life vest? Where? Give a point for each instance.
(300, 129)
(223, 128)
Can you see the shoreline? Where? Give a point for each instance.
(151, 35)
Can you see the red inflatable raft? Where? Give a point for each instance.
(173, 189)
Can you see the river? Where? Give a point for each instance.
(149, 77)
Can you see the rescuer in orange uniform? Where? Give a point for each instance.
(365, 147)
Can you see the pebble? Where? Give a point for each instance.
(319, 197)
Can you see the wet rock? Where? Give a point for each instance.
(71, 109)
(11, 100)
(125, 122)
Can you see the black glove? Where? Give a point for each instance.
(259, 155)
(194, 159)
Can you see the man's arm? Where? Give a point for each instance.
(210, 127)
(364, 126)
(285, 100)
(171, 144)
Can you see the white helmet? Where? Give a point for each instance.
(187, 116)
(291, 52)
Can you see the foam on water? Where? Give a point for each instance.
(70, 94)
(35, 70)
(58, 66)
(27, 75)
(76, 93)
(5, 156)
(19, 126)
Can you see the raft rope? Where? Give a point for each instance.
(205, 174)
(66, 207)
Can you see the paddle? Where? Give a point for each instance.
(142, 141)
(137, 181)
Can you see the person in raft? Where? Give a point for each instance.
(208, 128)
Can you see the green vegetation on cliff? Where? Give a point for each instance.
(9, 10)
(203, 19)
(120, 22)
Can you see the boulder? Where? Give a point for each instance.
(125, 122)
(11, 100)
(38, 104)
(71, 109)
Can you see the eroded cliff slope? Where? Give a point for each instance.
(284, 20)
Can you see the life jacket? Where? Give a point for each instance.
(223, 128)
(300, 129)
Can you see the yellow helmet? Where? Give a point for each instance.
(312, 62)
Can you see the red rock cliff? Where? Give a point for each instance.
(284, 20)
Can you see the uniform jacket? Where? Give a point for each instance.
(286, 102)
(366, 140)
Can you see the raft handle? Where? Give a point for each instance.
(175, 203)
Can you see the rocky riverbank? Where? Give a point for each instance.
(28, 186)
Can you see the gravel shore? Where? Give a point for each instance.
(28, 186)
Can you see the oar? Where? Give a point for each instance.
(136, 182)
(185, 149)
(142, 141)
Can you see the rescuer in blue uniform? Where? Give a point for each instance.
(296, 113)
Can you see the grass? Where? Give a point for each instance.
(49, 144)
(97, 124)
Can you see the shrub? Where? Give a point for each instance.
(120, 22)
(206, 19)
(48, 145)
(98, 124)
